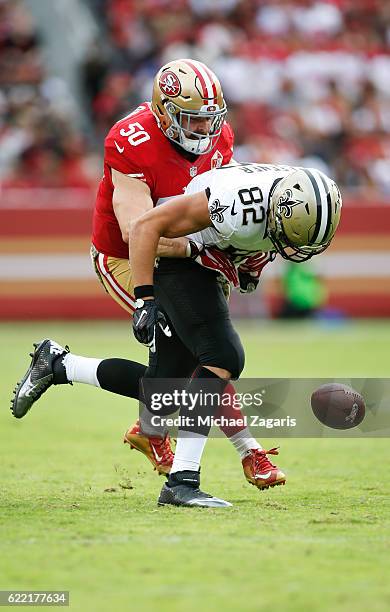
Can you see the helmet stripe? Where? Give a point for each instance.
(324, 207)
(323, 217)
(207, 84)
(209, 81)
(214, 88)
(329, 203)
(318, 203)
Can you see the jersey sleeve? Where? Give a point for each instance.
(221, 203)
(124, 158)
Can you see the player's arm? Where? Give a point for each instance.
(131, 199)
(179, 217)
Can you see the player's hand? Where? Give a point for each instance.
(215, 259)
(257, 262)
(146, 318)
(248, 281)
(249, 271)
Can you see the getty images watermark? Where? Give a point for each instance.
(270, 407)
(217, 405)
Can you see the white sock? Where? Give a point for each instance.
(188, 453)
(243, 442)
(81, 369)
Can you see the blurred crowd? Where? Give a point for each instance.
(307, 82)
(40, 144)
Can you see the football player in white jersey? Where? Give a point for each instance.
(244, 210)
(241, 213)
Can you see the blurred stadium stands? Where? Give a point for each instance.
(306, 83)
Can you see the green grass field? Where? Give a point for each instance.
(319, 543)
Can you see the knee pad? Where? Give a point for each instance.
(228, 354)
(236, 360)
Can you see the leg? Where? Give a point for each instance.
(195, 303)
(203, 323)
(196, 306)
(53, 364)
(150, 439)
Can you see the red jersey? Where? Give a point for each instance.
(136, 146)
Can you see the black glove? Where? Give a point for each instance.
(145, 319)
(248, 281)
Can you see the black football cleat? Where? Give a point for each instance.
(45, 370)
(182, 489)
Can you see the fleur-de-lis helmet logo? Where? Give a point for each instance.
(286, 203)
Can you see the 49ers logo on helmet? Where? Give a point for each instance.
(169, 84)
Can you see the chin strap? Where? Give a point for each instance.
(196, 147)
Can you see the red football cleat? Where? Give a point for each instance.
(259, 470)
(157, 450)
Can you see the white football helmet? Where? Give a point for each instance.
(185, 89)
(304, 213)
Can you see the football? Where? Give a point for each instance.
(338, 406)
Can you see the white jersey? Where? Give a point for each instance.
(238, 198)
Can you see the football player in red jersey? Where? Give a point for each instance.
(149, 157)
(152, 154)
